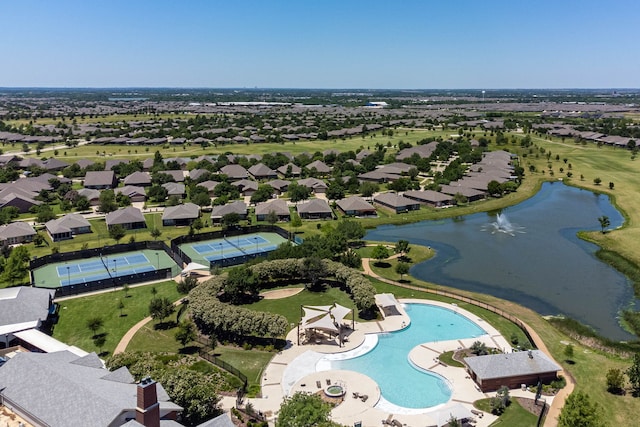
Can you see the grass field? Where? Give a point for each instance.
(514, 415)
(71, 328)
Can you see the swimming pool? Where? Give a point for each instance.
(402, 383)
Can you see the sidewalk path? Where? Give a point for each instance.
(551, 420)
(124, 341)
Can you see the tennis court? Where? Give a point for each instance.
(232, 250)
(104, 267)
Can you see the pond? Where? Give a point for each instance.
(540, 263)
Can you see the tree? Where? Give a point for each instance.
(500, 401)
(120, 306)
(117, 232)
(82, 203)
(350, 229)
(597, 181)
(335, 190)
(298, 192)
(186, 333)
(240, 282)
(304, 410)
(271, 217)
(17, 265)
(494, 188)
(186, 284)
(611, 185)
(380, 252)
(615, 381)
(38, 240)
(125, 288)
(367, 189)
(402, 247)
(94, 324)
(155, 233)
(99, 341)
(568, 352)
(262, 194)
(44, 213)
(402, 268)
(604, 223)
(633, 373)
(107, 201)
(580, 411)
(313, 269)
(160, 308)
(230, 219)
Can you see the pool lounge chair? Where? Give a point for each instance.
(396, 423)
(328, 381)
(364, 397)
(355, 394)
(318, 384)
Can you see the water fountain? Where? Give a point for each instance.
(503, 225)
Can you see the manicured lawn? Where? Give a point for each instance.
(514, 415)
(72, 326)
(447, 357)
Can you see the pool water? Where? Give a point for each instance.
(401, 383)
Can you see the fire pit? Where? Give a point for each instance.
(334, 390)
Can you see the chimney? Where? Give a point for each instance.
(147, 407)
(530, 354)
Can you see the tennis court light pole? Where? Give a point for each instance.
(158, 258)
(68, 276)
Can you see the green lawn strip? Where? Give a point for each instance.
(447, 357)
(514, 414)
(72, 329)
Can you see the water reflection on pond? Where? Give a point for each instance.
(539, 263)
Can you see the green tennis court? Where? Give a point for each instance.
(234, 248)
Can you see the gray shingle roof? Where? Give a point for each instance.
(66, 224)
(99, 178)
(511, 364)
(314, 206)
(278, 206)
(137, 178)
(24, 305)
(355, 203)
(238, 207)
(124, 216)
(185, 211)
(64, 390)
(16, 229)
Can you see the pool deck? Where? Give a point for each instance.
(294, 370)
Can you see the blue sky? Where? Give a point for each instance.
(400, 44)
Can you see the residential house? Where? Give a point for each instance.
(246, 186)
(234, 172)
(396, 203)
(130, 218)
(315, 209)
(209, 185)
(110, 163)
(260, 171)
(316, 185)
(140, 179)
(238, 207)
(66, 390)
(23, 308)
(289, 170)
(430, 197)
(176, 175)
(318, 168)
(93, 196)
(18, 198)
(16, 232)
(279, 186)
(175, 189)
(67, 226)
(100, 180)
(180, 215)
(277, 206)
(469, 193)
(135, 193)
(356, 206)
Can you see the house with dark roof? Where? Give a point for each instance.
(320, 168)
(100, 180)
(175, 189)
(246, 186)
(238, 207)
(23, 308)
(180, 215)
(133, 192)
(16, 232)
(130, 218)
(471, 194)
(378, 176)
(396, 203)
(316, 185)
(430, 198)
(176, 175)
(67, 226)
(260, 171)
(66, 390)
(277, 206)
(493, 371)
(279, 185)
(20, 199)
(209, 185)
(140, 179)
(53, 164)
(315, 209)
(289, 170)
(234, 171)
(93, 196)
(110, 163)
(356, 206)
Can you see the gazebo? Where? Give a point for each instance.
(327, 318)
